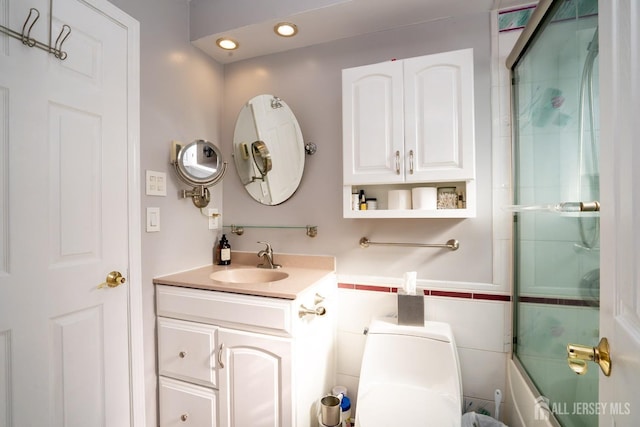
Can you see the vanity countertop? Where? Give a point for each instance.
(303, 270)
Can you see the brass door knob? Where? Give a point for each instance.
(578, 356)
(115, 278)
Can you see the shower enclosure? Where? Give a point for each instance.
(556, 191)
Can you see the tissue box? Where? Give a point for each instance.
(410, 309)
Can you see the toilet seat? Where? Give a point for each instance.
(387, 405)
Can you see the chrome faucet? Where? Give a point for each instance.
(267, 255)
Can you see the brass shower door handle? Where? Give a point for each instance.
(578, 356)
(115, 278)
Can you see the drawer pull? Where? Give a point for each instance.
(220, 355)
(318, 311)
(182, 354)
(184, 417)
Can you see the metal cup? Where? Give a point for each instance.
(330, 411)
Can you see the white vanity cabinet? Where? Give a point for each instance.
(409, 123)
(234, 360)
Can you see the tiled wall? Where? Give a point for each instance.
(480, 323)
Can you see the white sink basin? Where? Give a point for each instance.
(248, 275)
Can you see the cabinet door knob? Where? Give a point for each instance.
(184, 417)
(182, 354)
(397, 162)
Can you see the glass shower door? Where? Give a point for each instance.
(556, 245)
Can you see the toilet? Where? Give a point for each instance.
(410, 376)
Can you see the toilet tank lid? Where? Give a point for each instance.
(439, 331)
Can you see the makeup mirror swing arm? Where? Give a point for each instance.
(200, 196)
(200, 193)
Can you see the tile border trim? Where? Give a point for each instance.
(559, 301)
(475, 295)
(429, 292)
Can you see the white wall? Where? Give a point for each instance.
(309, 80)
(181, 94)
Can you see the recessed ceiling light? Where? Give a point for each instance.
(227, 44)
(286, 29)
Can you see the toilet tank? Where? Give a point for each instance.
(413, 357)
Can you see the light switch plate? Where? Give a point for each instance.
(153, 220)
(156, 183)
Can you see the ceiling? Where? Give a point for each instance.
(333, 20)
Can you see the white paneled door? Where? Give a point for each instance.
(67, 129)
(620, 216)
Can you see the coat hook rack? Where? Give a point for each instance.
(27, 40)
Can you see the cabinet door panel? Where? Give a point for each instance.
(255, 380)
(373, 124)
(439, 118)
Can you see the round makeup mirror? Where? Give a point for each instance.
(268, 150)
(201, 165)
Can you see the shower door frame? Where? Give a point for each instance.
(529, 35)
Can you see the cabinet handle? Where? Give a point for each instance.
(220, 363)
(184, 417)
(182, 354)
(397, 162)
(411, 162)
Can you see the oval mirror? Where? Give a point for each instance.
(201, 165)
(268, 149)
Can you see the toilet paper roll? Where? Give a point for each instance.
(399, 199)
(424, 198)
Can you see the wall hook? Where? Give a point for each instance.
(26, 37)
(65, 32)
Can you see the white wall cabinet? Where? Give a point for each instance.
(410, 123)
(240, 360)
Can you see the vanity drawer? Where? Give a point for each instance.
(258, 314)
(183, 404)
(187, 350)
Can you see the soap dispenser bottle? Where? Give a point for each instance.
(225, 251)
